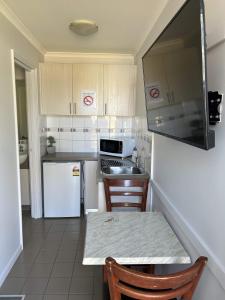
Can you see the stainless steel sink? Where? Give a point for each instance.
(122, 170)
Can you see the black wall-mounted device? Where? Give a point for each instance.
(215, 107)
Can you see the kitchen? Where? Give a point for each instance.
(95, 119)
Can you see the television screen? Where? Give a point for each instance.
(175, 79)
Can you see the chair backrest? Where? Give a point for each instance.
(142, 193)
(142, 286)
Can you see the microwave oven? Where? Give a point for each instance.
(120, 147)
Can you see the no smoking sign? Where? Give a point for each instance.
(154, 93)
(88, 100)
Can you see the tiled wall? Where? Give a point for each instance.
(81, 134)
(143, 140)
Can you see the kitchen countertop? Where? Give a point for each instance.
(88, 156)
(70, 156)
(132, 238)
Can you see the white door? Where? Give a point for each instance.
(119, 90)
(88, 89)
(55, 88)
(61, 189)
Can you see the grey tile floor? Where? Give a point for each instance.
(50, 266)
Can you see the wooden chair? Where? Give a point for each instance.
(126, 183)
(138, 285)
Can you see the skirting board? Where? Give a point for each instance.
(10, 264)
(214, 265)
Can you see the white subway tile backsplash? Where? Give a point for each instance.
(90, 122)
(82, 133)
(127, 123)
(78, 122)
(66, 134)
(103, 122)
(78, 146)
(66, 122)
(65, 146)
(78, 135)
(90, 146)
(52, 122)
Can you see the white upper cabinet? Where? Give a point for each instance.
(119, 89)
(88, 89)
(55, 89)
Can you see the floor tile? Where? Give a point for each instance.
(66, 256)
(50, 266)
(46, 256)
(20, 270)
(72, 227)
(81, 285)
(26, 257)
(62, 270)
(58, 285)
(80, 297)
(57, 228)
(83, 271)
(35, 286)
(41, 270)
(55, 297)
(12, 286)
(34, 297)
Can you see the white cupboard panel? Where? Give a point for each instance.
(55, 88)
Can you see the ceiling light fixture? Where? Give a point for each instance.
(83, 27)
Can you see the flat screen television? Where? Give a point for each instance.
(175, 80)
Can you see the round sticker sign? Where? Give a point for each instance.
(88, 100)
(154, 93)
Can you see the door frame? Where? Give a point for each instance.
(33, 124)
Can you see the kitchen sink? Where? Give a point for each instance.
(122, 170)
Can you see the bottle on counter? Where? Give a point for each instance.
(134, 155)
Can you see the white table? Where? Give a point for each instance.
(132, 238)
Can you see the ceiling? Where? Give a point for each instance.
(123, 24)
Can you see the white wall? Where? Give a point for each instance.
(188, 183)
(9, 203)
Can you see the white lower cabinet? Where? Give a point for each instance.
(90, 186)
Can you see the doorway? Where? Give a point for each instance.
(22, 125)
(28, 141)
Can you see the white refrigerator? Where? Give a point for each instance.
(61, 182)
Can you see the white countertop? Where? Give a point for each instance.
(132, 238)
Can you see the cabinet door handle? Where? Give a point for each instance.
(74, 108)
(173, 97)
(168, 97)
(105, 108)
(70, 108)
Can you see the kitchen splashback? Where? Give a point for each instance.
(81, 134)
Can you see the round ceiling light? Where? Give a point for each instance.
(83, 27)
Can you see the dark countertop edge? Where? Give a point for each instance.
(87, 156)
(70, 156)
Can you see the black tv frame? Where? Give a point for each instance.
(209, 137)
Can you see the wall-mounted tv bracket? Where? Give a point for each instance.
(215, 107)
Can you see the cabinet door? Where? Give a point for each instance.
(119, 90)
(91, 186)
(55, 88)
(88, 89)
